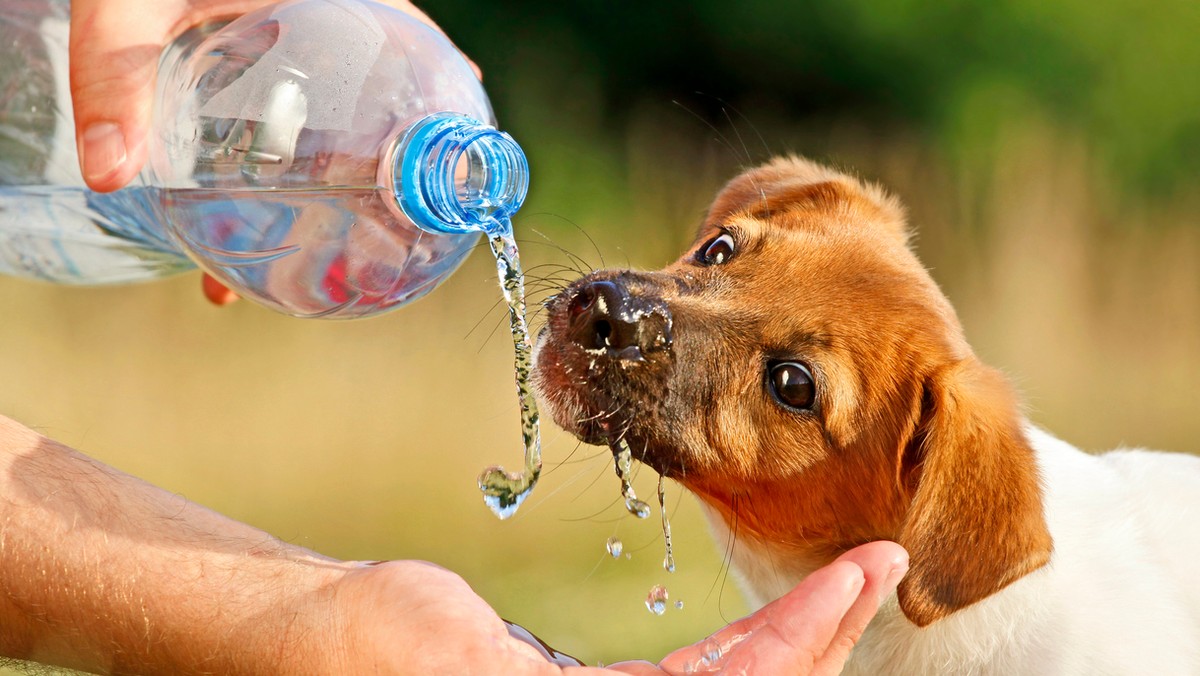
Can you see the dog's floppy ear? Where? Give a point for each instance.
(975, 524)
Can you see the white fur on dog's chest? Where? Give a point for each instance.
(1120, 595)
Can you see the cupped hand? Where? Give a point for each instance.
(414, 617)
(812, 628)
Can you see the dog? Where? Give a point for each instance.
(801, 373)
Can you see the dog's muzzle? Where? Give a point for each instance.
(605, 318)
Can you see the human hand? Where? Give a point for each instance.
(812, 628)
(106, 573)
(114, 51)
(414, 617)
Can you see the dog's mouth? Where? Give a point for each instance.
(603, 364)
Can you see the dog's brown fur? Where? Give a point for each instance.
(911, 438)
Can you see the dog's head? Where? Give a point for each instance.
(800, 372)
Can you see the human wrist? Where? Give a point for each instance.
(293, 624)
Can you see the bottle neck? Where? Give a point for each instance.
(453, 174)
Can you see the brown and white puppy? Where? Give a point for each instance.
(800, 372)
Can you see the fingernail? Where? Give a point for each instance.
(897, 572)
(103, 150)
(217, 293)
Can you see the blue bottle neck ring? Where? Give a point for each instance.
(452, 174)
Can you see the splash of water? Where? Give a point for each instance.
(505, 491)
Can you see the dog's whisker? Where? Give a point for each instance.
(720, 135)
(745, 149)
(503, 321)
(554, 280)
(553, 277)
(552, 265)
(540, 297)
(600, 452)
(595, 516)
(482, 319)
(749, 498)
(583, 232)
(544, 286)
(726, 558)
(602, 415)
(574, 478)
(579, 265)
(725, 108)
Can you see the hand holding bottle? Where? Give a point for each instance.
(115, 47)
(325, 158)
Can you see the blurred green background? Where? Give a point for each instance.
(1047, 152)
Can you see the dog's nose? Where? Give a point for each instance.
(605, 316)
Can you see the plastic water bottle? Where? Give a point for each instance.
(325, 158)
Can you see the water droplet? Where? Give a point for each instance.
(523, 635)
(504, 492)
(637, 508)
(623, 459)
(679, 605)
(669, 559)
(614, 547)
(656, 600)
(712, 653)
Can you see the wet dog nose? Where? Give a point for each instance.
(605, 316)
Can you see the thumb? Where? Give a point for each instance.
(114, 50)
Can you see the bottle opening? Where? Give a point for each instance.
(453, 174)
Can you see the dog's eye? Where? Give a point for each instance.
(792, 384)
(718, 250)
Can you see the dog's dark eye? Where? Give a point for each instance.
(718, 250)
(792, 384)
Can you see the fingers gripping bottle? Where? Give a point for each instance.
(325, 158)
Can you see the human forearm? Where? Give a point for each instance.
(104, 572)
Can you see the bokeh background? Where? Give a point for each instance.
(1048, 152)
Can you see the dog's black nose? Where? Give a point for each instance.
(604, 315)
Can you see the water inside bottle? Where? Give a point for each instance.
(505, 491)
(71, 235)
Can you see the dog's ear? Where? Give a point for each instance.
(797, 186)
(975, 524)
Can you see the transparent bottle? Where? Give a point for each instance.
(325, 158)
